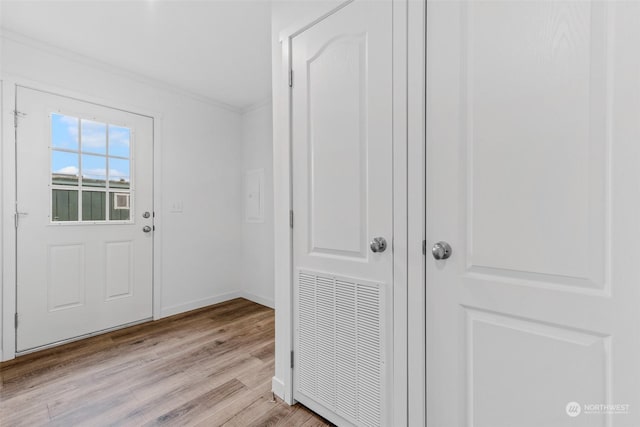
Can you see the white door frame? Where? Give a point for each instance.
(416, 214)
(408, 210)
(8, 188)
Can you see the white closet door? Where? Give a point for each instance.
(533, 165)
(343, 201)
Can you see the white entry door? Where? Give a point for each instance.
(342, 203)
(533, 165)
(84, 194)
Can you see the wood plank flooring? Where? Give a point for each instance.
(208, 367)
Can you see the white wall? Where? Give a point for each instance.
(200, 148)
(257, 237)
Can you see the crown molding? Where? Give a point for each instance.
(113, 69)
(256, 106)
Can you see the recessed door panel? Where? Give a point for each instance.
(505, 353)
(119, 269)
(337, 82)
(537, 149)
(66, 276)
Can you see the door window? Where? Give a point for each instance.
(90, 170)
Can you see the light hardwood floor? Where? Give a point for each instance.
(208, 367)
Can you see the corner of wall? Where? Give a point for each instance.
(267, 302)
(196, 304)
(256, 281)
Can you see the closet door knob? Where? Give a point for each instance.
(441, 250)
(378, 244)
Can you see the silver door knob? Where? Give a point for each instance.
(146, 229)
(378, 244)
(441, 250)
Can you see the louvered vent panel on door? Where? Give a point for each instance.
(368, 350)
(307, 335)
(339, 349)
(325, 341)
(346, 349)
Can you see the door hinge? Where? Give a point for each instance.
(16, 218)
(290, 78)
(291, 359)
(16, 320)
(424, 247)
(16, 115)
(291, 219)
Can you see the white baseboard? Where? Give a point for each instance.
(258, 299)
(192, 305)
(277, 386)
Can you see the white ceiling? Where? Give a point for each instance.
(219, 49)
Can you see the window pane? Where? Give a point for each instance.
(64, 132)
(64, 205)
(64, 168)
(119, 176)
(94, 137)
(94, 171)
(93, 208)
(119, 141)
(117, 213)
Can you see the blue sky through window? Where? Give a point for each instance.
(64, 135)
(94, 167)
(119, 141)
(65, 163)
(118, 170)
(64, 132)
(94, 137)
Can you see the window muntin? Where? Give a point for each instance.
(90, 165)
